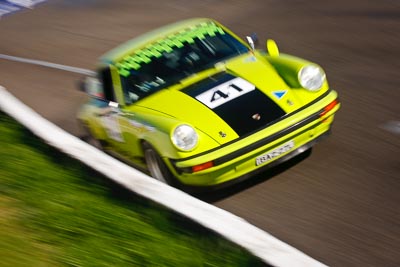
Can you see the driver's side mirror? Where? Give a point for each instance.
(92, 86)
(252, 40)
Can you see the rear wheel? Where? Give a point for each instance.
(156, 165)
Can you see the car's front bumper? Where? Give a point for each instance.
(292, 154)
(263, 149)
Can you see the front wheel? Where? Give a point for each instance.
(90, 139)
(156, 165)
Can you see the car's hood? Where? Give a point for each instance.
(245, 96)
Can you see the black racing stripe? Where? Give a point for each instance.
(274, 136)
(249, 112)
(244, 114)
(208, 83)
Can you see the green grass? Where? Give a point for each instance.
(54, 211)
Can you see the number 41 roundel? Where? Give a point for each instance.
(225, 92)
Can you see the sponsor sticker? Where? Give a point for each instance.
(279, 94)
(275, 153)
(111, 125)
(225, 92)
(175, 41)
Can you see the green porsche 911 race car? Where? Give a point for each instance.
(195, 105)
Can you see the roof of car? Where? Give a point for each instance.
(130, 46)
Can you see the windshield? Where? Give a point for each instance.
(145, 75)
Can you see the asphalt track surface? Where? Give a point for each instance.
(340, 205)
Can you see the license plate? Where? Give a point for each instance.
(275, 153)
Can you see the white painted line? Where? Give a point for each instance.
(260, 243)
(48, 64)
(7, 8)
(11, 6)
(22, 3)
(392, 126)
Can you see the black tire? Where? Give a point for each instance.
(88, 138)
(156, 165)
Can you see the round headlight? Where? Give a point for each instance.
(311, 77)
(185, 137)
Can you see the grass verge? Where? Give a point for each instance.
(54, 211)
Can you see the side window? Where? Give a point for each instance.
(106, 80)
